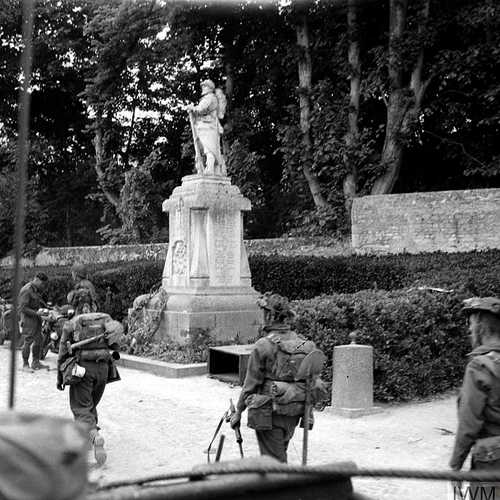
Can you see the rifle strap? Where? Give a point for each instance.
(221, 421)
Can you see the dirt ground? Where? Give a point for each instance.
(153, 424)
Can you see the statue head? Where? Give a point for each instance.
(207, 86)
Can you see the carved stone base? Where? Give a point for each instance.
(233, 317)
(206, 274)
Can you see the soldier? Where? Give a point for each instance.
(83, 294)
(88, 368)
(30, 301)
(274, 398)
(479, 400)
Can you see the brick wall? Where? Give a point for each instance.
(448, 221)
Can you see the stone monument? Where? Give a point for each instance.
(206, 274)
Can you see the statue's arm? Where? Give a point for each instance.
(205, 106)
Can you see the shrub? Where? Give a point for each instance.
(306, 277)
(474, 273)
(418, 337)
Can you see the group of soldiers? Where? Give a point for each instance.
(87, 349)
(273, 391)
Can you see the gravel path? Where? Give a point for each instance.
(153, 424)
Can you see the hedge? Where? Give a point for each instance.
(419, 337)
(474, 273)
(307, 277)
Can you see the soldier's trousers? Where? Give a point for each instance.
(274, 442)
(33, 343)
(85, 396)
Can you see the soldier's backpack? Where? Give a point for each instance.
(80, 298)
(289, 356)
(89, 325)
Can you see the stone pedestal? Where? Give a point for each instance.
(352, 381)
(206, 275)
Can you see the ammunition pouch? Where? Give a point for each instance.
(260, 412)
(67, 368)
(487, 451)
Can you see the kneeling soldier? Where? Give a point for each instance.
(85, 363)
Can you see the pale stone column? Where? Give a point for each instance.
(352, 381)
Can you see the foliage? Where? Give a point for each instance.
(194, 350)
(472, 273)
(419, 337)
(110, 139)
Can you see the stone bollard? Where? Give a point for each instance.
(352, 381)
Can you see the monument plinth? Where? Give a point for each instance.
(206, 274)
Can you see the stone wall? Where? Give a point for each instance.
(66, 256)
(448, 221)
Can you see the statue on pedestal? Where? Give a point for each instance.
(207, 130)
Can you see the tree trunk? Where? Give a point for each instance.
(100, 161)
(352, 136)
(229, 57)
(305, 78)
(397, 103)
(404, 104)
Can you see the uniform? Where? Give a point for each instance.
(479, 401)
(30, 300)
(275, 401)
(95, 358)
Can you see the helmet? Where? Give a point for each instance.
(488, 304)
(276, 306)
(208, 83)
(79, 269)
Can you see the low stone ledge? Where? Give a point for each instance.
(354, 412)
(162, 368)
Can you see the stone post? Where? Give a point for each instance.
(352, 381)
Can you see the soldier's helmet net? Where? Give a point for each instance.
(485, 304)
(276, 307)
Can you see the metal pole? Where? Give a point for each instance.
(305, 421)
(21, 171)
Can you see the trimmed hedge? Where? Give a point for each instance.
(419, 337)
(474, 273)
(307, 277)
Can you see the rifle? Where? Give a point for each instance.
(225, 418)
(81, 343)
(198, 159)
(237, 431)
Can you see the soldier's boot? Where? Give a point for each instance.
(98, 444)
(36, 365)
